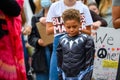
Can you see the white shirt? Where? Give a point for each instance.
(28, 11)
(56, 10)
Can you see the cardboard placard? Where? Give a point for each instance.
(48, 39)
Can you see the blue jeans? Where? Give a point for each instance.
(42, 76)
(53, 75)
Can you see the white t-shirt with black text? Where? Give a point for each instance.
(56, 10)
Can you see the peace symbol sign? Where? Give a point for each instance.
(102, 53)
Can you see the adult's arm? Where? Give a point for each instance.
(96, 17)
(49, 23)
(10, 7)
(88, 21)
(87, 30)
(49, 28)
(116, 14)
(34, 36)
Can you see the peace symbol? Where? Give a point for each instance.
(102, 53)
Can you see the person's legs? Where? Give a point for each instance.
(48, 57)
(27, 66)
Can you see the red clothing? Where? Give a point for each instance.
(11, 51)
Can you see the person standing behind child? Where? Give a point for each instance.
(54, 20)
(75, 50)
(41, 56)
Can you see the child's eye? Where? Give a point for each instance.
(68, 27)
(74, 26)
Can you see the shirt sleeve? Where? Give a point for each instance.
(96, 17)
(50, 14)
(87, 15)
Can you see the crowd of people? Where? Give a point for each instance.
(23, 52)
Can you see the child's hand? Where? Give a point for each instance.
(41, 42)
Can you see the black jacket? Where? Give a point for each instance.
(75, 54)
(96, 17)
(39, 62)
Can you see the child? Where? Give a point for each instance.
(54, 25)
(75, 51)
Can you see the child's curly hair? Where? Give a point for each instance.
(71, 14)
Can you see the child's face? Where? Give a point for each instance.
(72, 27)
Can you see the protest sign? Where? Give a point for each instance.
(107, 45)
(48, 39)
